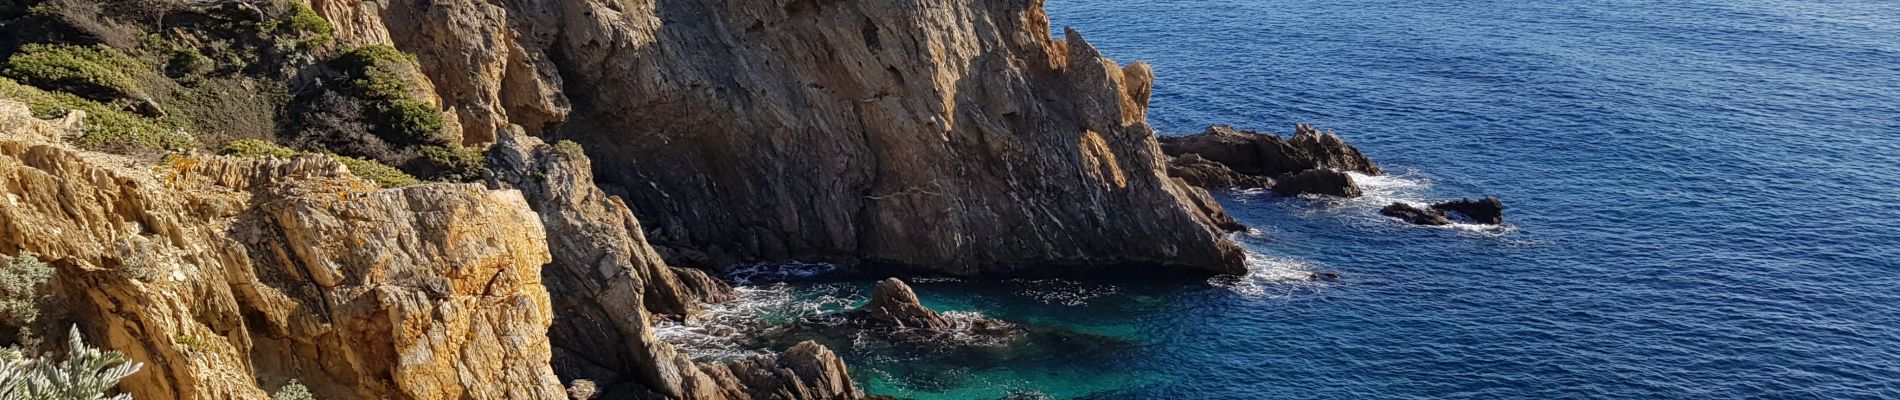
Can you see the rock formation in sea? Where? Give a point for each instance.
(1320, 181)
(1415, 215)
(893, 305)
(1310, 161)
(1202, 172)
(958, 138)
(227, 277)
(1488, 211)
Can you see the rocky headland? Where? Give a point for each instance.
(498, 199)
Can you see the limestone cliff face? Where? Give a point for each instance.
(956, 136)
(227, 277)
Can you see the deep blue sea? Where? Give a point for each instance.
(1701, 195)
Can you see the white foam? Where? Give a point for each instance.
(722, 330)
(1271, 276)
(1408, 188)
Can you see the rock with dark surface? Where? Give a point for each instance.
(604, 277)
(1263, 155)
(1198, 171)
(953, 137)
(894, 306)
(1325, 182)
(1416, 215)
(1489, 210)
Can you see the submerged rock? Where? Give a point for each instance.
(1415, 215)
(1489, 210)
(1325, 182)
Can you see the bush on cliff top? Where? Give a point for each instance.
(382, 174)
(96, 72)
(385, 78)
(106, 128)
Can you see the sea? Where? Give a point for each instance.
(1701, 198)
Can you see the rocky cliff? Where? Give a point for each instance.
(229, 276)
(957, 137)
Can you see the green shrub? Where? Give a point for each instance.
(23, 282)
(385, 78)
(95, 69)
(293, 391)
(378, 172)
(220, 109)
(382, 174)
(257, 148)
(453, 163)
(106, 128)
(86, 374)
(569, 148)
(304, 19)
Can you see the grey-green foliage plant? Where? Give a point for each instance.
(86, 374)
(293, 391)
(22, 279)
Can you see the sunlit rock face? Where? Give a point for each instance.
(954, 137)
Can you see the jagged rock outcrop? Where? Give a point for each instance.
(1320, 181)
(956, 137)
(1267, 155)
(227, 277)
(1415, 215)
(606, 278)
(1202, 172)
(894, 306)
(223, 274)
(1489, 210)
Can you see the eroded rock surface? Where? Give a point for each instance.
(1489, 210)
(1415, 215)
(894, 306)
(1267, 155)
(1202, 172)
(1321, 181)
(227, 277)
(957, 137)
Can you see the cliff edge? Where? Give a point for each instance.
(954, 137)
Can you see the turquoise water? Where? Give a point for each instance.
(1700, 196)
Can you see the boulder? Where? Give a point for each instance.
(1260, 154)
(1489, 210)
(894, 306)
(1416, 215)
(1325, 182)
(1199, 171)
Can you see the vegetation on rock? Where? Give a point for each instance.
(23, 284)
(106, 128)
(96, 72)
(86, 374)
(382, 174)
